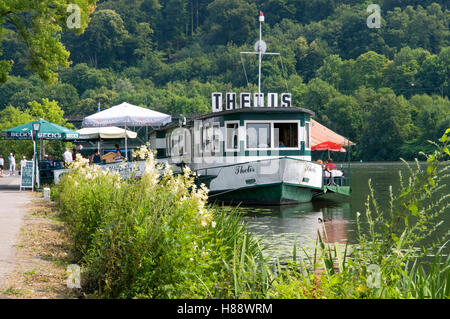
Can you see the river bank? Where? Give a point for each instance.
(42, 254)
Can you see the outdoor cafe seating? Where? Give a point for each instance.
(46, 169)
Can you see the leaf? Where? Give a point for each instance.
(446, 150)
(413, 208)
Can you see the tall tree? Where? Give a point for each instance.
(38, 24)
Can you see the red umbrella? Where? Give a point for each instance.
(328, 146)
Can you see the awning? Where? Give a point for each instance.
(321, 134)
(109, 132)
(47, 131)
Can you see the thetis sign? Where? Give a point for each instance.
(229, 101)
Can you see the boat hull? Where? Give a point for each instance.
(277, 181)
(273, 194)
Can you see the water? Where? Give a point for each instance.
(281, 227)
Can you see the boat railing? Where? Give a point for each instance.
(205, 169)
(343, 180)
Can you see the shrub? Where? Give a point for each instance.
(153, 236)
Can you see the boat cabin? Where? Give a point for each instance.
(236, 136)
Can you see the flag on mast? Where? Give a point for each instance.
(98, 107)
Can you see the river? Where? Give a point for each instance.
(281, 227)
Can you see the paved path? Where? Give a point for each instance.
(12, 213)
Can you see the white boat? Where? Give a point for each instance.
(252, 148)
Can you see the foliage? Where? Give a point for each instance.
(332, 63)
(131, 245)
(39, 24)
(12, 116)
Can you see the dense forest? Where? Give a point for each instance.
(384, 88)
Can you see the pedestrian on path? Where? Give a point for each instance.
(23, 163)
(2, 163)
(12, 164)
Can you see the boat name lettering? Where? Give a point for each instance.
(310, 168)
(241, 170)
(230, 102)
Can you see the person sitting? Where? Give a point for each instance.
(330, 166)
(51, 161)
(118, 153)
(96, 158)
(326, 173)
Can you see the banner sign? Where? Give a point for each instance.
(27, 175)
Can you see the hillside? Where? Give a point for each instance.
(385, 88)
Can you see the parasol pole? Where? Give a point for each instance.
(126, 143)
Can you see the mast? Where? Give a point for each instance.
(261, 20)
(260, 50)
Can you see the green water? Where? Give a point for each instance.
(281, 227)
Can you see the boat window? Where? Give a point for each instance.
(307, 135)
(287, 134)
(168, 146)
(216, 137)
(210, 137)
(232, 136)
(258, 135)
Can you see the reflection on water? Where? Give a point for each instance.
(281, 227)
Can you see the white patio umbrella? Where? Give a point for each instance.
(126, 114)
(107, 132)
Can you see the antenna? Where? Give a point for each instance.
(260, 50)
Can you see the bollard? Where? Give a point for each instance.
(46, 194)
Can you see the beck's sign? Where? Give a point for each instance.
(230, 101)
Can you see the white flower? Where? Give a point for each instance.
(213, 224)
(358, 214)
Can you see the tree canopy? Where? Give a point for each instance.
(387, 86)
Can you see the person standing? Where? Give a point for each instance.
(74, 154)
(67, 157)
(12, 164)
(23, 163)
(2, 163)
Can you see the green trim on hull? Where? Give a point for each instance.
(343, 190)
(334, 192)
(272, 194)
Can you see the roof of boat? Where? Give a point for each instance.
(273, 110)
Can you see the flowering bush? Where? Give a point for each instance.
(152, 236)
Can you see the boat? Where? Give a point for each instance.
(252, 148)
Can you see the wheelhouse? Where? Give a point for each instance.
(236, 136)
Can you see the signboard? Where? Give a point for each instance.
(27, 175)
(230, 101)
